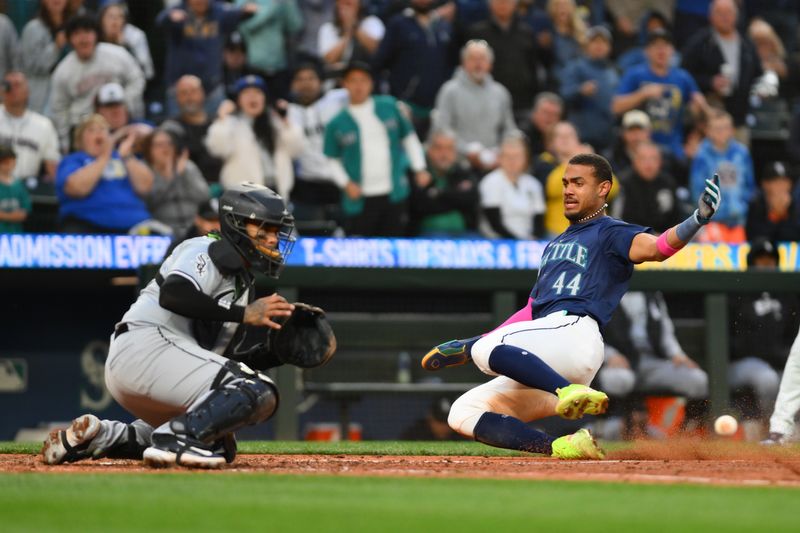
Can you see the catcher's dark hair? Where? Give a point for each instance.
(600, 165)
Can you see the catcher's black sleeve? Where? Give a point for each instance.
(179, 295)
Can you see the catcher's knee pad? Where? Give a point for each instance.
(239, 397)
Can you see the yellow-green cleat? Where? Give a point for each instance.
(576, 400)
(579, 445)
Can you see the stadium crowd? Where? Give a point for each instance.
(450, 118)
(409, 117)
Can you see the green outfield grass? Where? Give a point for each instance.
(200, 501)
(263, 502)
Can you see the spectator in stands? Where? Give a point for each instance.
(448, 204)
(475, 107)
(635, 128)
(267, 33)
(255, 142)
(205, 221)
(518, 60)
(773, 57)
(115, 29)
(782, 15)
(663, 91)
(414, 53)
(100, 188)
(721, 154)
(773, 213)
(195, 33)
(723, 62)
(569, 36)
(192, 123)
(548, 109)
(649, 195)
(314, 190)
(763, 327)
(178, 186)
(315, 13)
(512, 201)
(353, 35)
(651, 21)
(588, 84)
(8, 44)
(370, 144)
(111, 105)
(643, 354)
(234, 63)
(41, 46)
(32, 135)
(558, 141)
(15, 204)
(631, 16)
(83, 71)
(434, 426)
(563, 143)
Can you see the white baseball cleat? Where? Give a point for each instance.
(176, 450)
(70, 445)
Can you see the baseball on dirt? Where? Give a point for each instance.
(725, 425)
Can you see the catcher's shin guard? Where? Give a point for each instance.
(239, 397)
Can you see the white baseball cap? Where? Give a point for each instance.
(110, 94)
(635, 119)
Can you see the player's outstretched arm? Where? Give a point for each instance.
(646, 247)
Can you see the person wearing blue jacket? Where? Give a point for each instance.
(195, 34)
(588, 85)
(721, 154)
(100, 188)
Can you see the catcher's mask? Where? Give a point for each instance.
(254, 203)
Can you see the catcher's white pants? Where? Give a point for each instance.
(788, 402)
(571, 345)
(156, 374)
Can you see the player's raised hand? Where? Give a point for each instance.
(709, 200)
(261, 312)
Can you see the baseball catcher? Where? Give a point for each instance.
(177, 359)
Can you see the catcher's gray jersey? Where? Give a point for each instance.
(189, 260)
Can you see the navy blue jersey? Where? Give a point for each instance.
(586, 269)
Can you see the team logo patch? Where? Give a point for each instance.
(201, 264)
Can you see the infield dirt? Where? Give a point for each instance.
(675, 461)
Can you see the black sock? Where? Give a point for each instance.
(526, 368)
(503, 431)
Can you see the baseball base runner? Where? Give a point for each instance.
(546, 354)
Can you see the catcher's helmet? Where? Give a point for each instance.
(759, 247)
(250, 202)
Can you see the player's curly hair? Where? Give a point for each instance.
(600, 165)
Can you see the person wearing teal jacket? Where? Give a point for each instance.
(370, 145)
(266, 33)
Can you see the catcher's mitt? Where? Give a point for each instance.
(305, 339)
